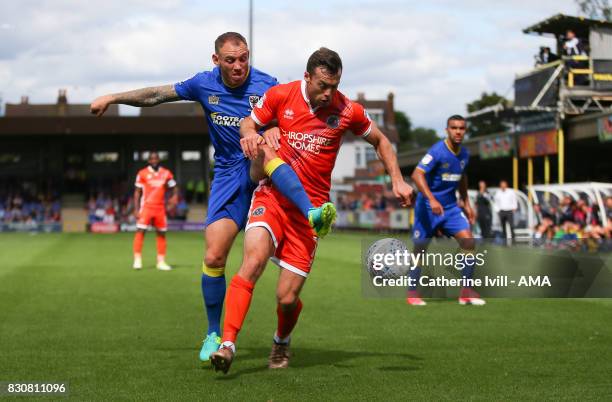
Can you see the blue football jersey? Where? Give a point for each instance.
(443, 170)
(225, 108)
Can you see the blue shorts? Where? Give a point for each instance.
(426, 223)
(230, 194)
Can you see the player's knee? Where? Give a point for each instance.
(214, 259)
(467, 244)
(287, 299)
(268, 153)
(252, 268)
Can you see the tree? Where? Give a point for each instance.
(425, 137)
(404, 129)
(596, 9)
(413, 138)
(489, 124)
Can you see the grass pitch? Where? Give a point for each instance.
(72, 309)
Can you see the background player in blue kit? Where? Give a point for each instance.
(438, 176)
(227, 93)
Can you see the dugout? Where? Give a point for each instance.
(61, 147)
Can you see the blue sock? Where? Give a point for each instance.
(287, 182)
(213, 291)
(414, 275)
(468, 271)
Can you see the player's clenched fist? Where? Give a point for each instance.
(249, 145)
(404, 193)
(100, 104)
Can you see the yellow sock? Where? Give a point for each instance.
(213, 272)
(273, 165)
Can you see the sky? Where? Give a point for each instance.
(435, 56)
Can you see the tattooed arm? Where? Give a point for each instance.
(140, 97)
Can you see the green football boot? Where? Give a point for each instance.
(321, 219)
(209, 346)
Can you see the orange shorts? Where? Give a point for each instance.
(291, 233)
(152, 216)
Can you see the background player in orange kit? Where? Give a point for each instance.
(150, 209)
(312, 117)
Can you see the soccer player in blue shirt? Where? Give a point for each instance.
(438, 176)
(227, 94)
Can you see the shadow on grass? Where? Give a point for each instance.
(308, 357)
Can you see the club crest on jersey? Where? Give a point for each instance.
(288, 114)
(333, 121)
(445, 166)
(253, 100)
(259, 211)
(260, 102)
(213, 100)
(462, 163)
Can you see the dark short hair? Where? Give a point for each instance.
(235, 37)
(326, 59)
(454, 117)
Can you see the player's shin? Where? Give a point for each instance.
(413, 278)
(161, 247)
(468, 270)
(237, 303)
(138, 240)
(287, 318)
(213, 292)
(287, 182)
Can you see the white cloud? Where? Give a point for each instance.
(434, 56)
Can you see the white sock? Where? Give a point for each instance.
(284, 341)
(229, 344)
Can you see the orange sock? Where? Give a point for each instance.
(138, 240)
(237, 302)
(287, 320)
(161, 246)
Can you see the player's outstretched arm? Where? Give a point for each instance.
(143, 97)
(384, 149)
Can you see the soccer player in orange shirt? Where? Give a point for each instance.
(312, 117)
(150, 209)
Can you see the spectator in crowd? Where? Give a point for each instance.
(484, 213)
(506, 204)
(23, 205)
(546, 56)
(566, 209)
(572, 45)
(380, 204)
(575, 47)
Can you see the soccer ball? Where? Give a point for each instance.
(379, 263)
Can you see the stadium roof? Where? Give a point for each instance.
(173, 109)
(558, 24)
(27, 118)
